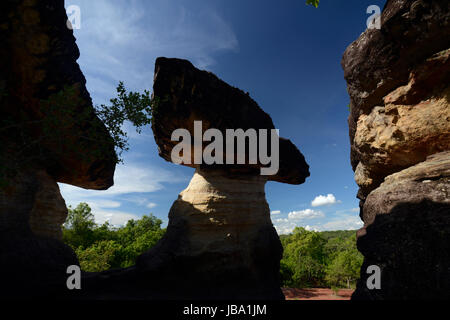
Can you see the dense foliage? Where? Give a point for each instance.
(320, 259)
(101, 247)
(310, 259)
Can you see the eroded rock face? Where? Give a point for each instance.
(409, 126)
(49, 134)
(32, 264)
(187, 94)
(45, 107)
(406, 233)
(398, 80)
(219, 231)
(428, 180)
(49, 210)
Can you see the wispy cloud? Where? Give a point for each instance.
(151, 205)
(120, 40)
(295, 219)
(132, 182)
(315, 220)
(346, 223)
(305, 214)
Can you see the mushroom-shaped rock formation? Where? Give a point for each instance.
(49, 134)
(220, 241)
(398, 80)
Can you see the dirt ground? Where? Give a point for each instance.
(316, 294)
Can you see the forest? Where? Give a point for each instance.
(310, 259)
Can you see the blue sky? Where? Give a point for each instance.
(285, 54)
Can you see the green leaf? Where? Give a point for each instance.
(314, 3)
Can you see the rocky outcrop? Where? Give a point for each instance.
(49, 134)
(398, 80)
(220, 243)
(186, 94)
(49, 210)
(220, 227)
(406, 233)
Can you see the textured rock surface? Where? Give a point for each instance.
(428, 180)
(44, 140)
(406, 129)
(187, 94)
(49, 210)
(398, 80)
(31, 265)
(37, 61)
(220, 229)
(407, 233)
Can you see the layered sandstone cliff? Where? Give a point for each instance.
(398, 80)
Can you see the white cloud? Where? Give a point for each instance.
(115, 218)
(294, 219)
(305, 214)
(131, 182)
(340, 220)
(347, 223)
(285, 227)
(104, 204)
(120, 40)
(309, 228)
(324, 200)
(275, 212)
(128, 178)
(151, 205)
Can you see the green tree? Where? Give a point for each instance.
(98, 257)
(78, 230)
(133, 107)
(344, 269)
(101, 247)
(328, 258)
(304, 256)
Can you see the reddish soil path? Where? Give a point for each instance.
(316, 294)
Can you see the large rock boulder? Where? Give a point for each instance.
(186, 94)
(398, 80)
(406, 233)
(48, 133)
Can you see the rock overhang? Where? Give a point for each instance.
(186, 94)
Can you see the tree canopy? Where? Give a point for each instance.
(102, 247)
(320, 259)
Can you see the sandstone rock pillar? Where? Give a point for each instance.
(398, 80)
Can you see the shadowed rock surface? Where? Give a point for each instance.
(398, 80)
(49, 134)
(187, 94)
